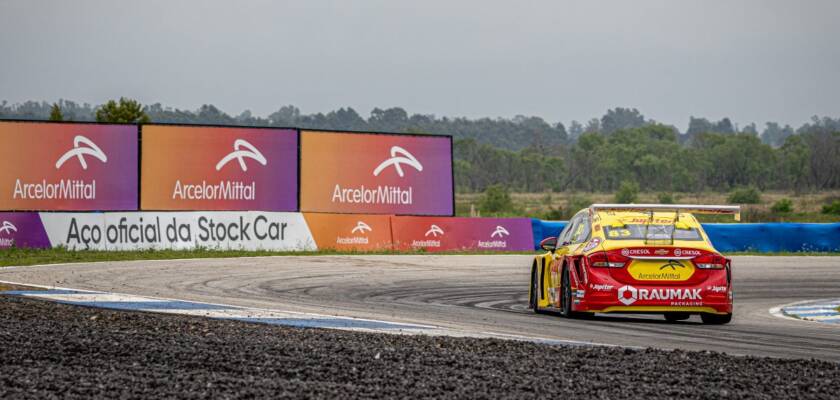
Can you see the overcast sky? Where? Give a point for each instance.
(752, 61)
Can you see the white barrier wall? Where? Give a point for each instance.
(221, 230)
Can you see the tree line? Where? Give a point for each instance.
(530, 154)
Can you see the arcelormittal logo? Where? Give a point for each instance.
(500, 232)
(8, 228)
(434, 230)
(397, 161)
(79, 152)
(240, 155)
(361, 227)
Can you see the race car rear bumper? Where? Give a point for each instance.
(621, 298)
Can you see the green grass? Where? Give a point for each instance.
(21, 257)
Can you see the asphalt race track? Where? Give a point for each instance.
(481, 293)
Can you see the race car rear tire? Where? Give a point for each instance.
(716, 319)
(566, 301)
(566, 293)
(676, 316)
(535, 290)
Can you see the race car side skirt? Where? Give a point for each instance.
(656, 309)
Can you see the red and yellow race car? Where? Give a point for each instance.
(635, 258)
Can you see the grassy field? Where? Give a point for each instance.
(23, 257)
(807, 207)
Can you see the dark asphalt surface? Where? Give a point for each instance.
(50, 350)
(476, 293)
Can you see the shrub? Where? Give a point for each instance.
(575, 204)
(748, 195)
(553, 214)
(782, 206)
(628, 192)
(832, 208)
(496, 199)
(665, 198)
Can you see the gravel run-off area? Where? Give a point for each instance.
(50, 350)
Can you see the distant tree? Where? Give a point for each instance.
(747, 195)
(496, 199)
(285, 116)
(621, 118)
(750, 129)
(55, 113)
(627, 193)
(594, 125)
(703, 125)
(775, 135)
(782, 206)
(575, 130)
(127, 111)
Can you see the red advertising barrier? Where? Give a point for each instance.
(459, 233)
(219, 168)
(67, 166)
(350, 231)
(376, 173)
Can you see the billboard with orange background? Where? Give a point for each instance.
(376, 173)
(218, 168)
(67, 166)
(350, 231)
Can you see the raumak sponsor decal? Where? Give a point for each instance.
(178, 230)
(367, 173)
(216, 168)
(67, 166)
(628, 295)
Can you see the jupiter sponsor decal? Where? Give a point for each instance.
(216, 168)
(376, 173)
(83, 167)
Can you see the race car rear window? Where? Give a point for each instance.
(654, 232)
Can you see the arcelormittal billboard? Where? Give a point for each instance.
(218, 168)
(73, 167)
(376, 173)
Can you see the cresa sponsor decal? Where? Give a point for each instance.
(67, 166)
(376, 173)
(629, 295)
(219, 168)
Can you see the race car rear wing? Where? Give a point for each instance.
(676, 208)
